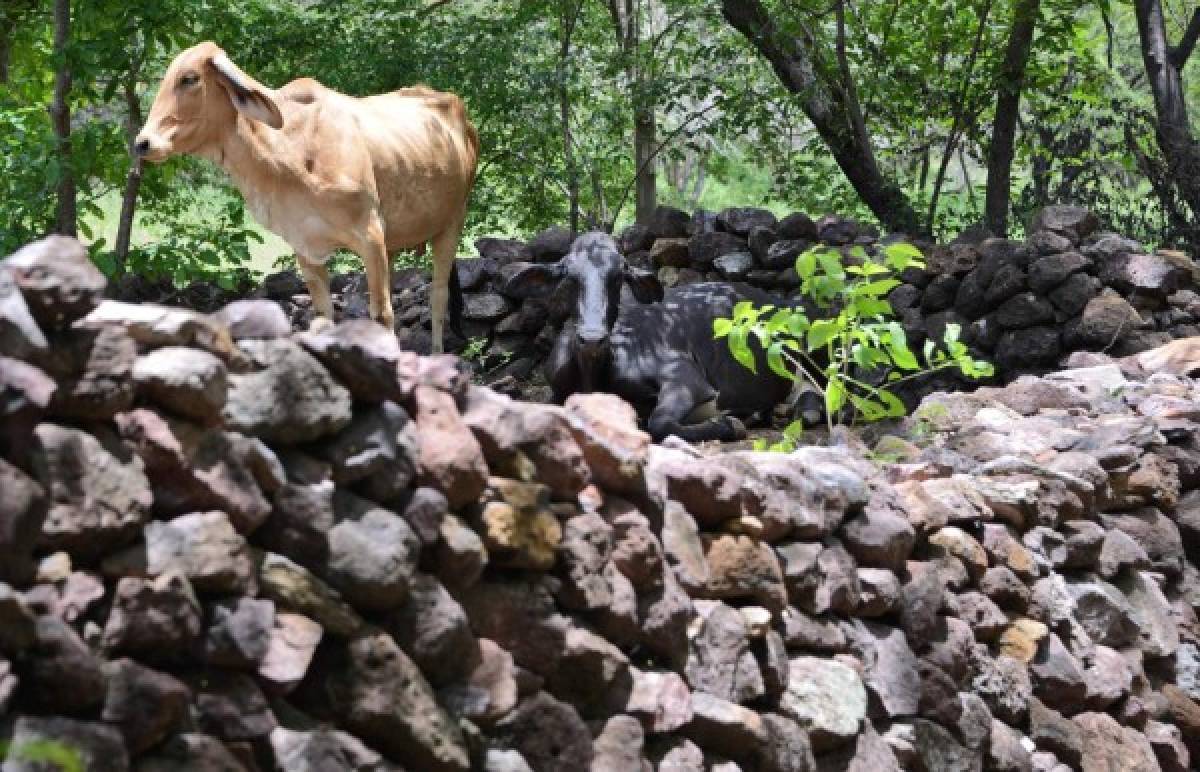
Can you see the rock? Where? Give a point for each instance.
(503, 251)
(291, 400)
(489, 691)
(1054, 733)
(58, 673)
(723, 727)
(292, 586)
(1155, 533)
(230, 706)
(782, 255)
(1004, 587)
(253, 319)
(58, 280)
(937, 749)
(1111, 746)
(520, 531)
(372, 554)
(669, 223)
(433, 629)
(1168, 746)
(449, 457)
(549, 734)
(425, 512)
(144, 704)
(717, 662)
(521, 440)
(1035, 347)
(664, 614)
(920, 599)
(1109, 678)
(379, 695)
(606, 428)
(955, 542)
(92, 369)
(734, 266)
(1058, 678)
(239, 632)
(519, 616)
(156, 621)
(292, 643)
(18, 624)
(869, 753)
(203, 546)
(97, 747)
(154, 326)
(890, 669)
(741, 567)
(939, 699)
(1073, 295)
(827, 698)
(1105, 319)
(878, 592)
(378, 443)
(1153, 275)
(705, 247)
(1103, 612)
(879, 538)
(797, 226)
(320, 749)
(1157, 633)
(618, 745)
(22, 512)
(1071, 222)
(1005, 752)
(20, 335)
(1004, 685)
(461, 556)
(670, 253)
(365, 358)
(505, 761)
(195, 469)
(933, 504)
(984, 616)
(1021, 638)
(189, 382)
(1048, 272)
(551, 244)
(661, 700)
(98, 494)
(742, 220)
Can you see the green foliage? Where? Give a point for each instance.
(856, 353)
(65, 758)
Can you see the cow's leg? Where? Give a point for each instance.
(445, 247)
(379, 276)
(316, 278)
(677, 400)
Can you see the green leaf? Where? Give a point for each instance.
(821, 333)
(776, 362)
(806, 263)
(721, 327)
(835, 395)
(741, 350)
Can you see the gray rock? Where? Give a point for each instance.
(890, 668)
(290, 400)
(292, 586)
(1112, 746)
(521, 617)
(937, 749)
(827, 698)
(238, 632)
(1071, 222)
(291, 645)
(433, 629)
(322, 749)
(1058, 678)
(878, 592)
(380, 696)
(58, 280)
(734, 266)
(549, 734)
(230, 706)
(1158, 635)
(22, 511)
(155, 621)
(1103, 612)
(715, 653)
(186, 381)
(742, 220)
(879, 538)
(144, 704)
(372, 554)
(254, 318)
(723, 727)
(1005, 686)
(190, 750)
(204, 547)
(1005, 752)
(59, 674)
(375, 443)
(618, 745)
(20, 335)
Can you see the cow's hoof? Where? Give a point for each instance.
(320, 324)
(737, 429)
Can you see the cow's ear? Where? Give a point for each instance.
(645, 285)
(535, 280)
(250, 97)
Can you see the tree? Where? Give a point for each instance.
(1164, 74)
(629, 19)
(1004, 124)
(828, 97)
(60, 113)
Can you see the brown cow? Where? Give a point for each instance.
(327, 171)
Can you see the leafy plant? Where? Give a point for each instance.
(856, 354)
(65, 758)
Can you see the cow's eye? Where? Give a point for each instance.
(190, 79)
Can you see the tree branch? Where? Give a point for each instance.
(1180, 53)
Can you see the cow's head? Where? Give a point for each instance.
(595, 271)
(198, 101)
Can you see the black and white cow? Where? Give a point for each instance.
(659, 356)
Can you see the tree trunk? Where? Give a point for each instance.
(5, 47)
(133, 181)
(567, 20)
(60, 114)
(827, 107)
(1004, 125)
(1174, 134)
(645, 147)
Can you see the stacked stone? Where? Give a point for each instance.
(227, 546)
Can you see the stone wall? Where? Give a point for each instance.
(224, 545)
